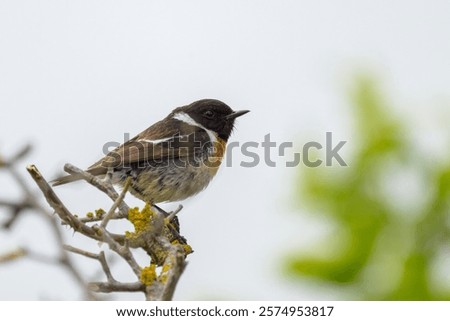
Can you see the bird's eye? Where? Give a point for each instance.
(209, 114)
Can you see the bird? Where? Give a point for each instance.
(173, 159)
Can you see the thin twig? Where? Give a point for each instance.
(122, 250)
(174, 213)
(108, 287)
(12, 255)
(116, 203)
(60, 209)
(114, 216)
(103, 185)
(29, 201)
(105, 267)
(99, 257)
(76, 250)
(16, 209)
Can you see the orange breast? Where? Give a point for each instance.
(219, 148)
(215, 159)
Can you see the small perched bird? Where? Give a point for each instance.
(174, 158)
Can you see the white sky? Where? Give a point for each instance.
(74, 75)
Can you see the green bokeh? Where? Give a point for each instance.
(374, 252)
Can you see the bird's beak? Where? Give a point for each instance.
(236, 114)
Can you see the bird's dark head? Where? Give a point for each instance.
(213, 115)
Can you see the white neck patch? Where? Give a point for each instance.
(185, 118)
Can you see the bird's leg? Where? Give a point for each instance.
(163, 212)
(172, 223)
(174, 213)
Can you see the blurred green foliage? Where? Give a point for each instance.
(376, 249)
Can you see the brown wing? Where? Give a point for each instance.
(168, 139)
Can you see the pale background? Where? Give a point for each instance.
(74, 75)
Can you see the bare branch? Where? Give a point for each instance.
(117, 215)
(16, 209)
(164, 287)
(103, 185)
(24, 151)
(96, 232)
(12, 255)
(29, 201)
(60, 209)
(160, 239)
(122, 250)
(117, 202)
(76, 250)
(105, 267)
(174, 213)
(108, 287)
(100, 257)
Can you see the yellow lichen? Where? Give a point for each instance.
(164, 273)
(187, 249)
(90, 214)
(166, 268)
(139, 219)
(100, 212)
(148, 274)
